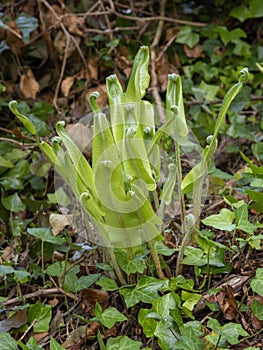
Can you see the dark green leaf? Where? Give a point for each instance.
(222, 221)
(257, 309)
(146, 291)
(45, 235)
(257, 282)
(54, 345)
(123, 343)
(41, 315)
(187, 36)
(86, 281)
(13, 203)
(108, 317)
(7, 342)
(107, 284)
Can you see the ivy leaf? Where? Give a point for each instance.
(241, 214)
(41, 314)
(222, 221)
(243, 12)
(187, 36)
(13, 203)
(165, 332)
(107, 284)
(257, 309)
(123, 343)
(108, 317)
(146, 291)
(128, 265)
(26, 24)
(45, 235)
(86, 281)
(191, 299)
(32, 344)
(230, 36)
(257, 282)
(7, 342)
(191, 334)
(162, 249)
(54, 345)
(149, 324)
(194, 256)
(6, 163)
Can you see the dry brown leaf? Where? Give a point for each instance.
(75, 25)
(66, 85)
(92, 329)
(74, 337)
(102, 99)
(40, 336)
(59, 221)
(163, 68)
(171, 33)
(15, 321)
(90, 296)
(92, 65)
(195, 52)
(14, 42)
(60, 43)
(227, 302)
(28, 85)
(82, 136)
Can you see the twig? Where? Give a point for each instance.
(69, 38)
(25, 145)
(168, 44)
(10, 30)
(39, 293)
(155, 18)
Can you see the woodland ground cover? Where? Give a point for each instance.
(59, 288)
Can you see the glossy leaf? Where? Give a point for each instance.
(146, 291)
(13, 203)
(123, 342)
(54, 345)
(7, 342)
(257, 282)
(108, 317)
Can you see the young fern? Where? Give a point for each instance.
(116, 190)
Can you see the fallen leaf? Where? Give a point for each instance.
(102, 99)
(90, 296)
(171, 33)
(74, 24)
(28, 85)
(74, 337)
(195, 52)
(227, 302)
(92, 329)
(40, 336)
(66, 85)
(59, 221)
(15, 321)
(14, 42)
(92, 65)
(60, 43)
(82, 136)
